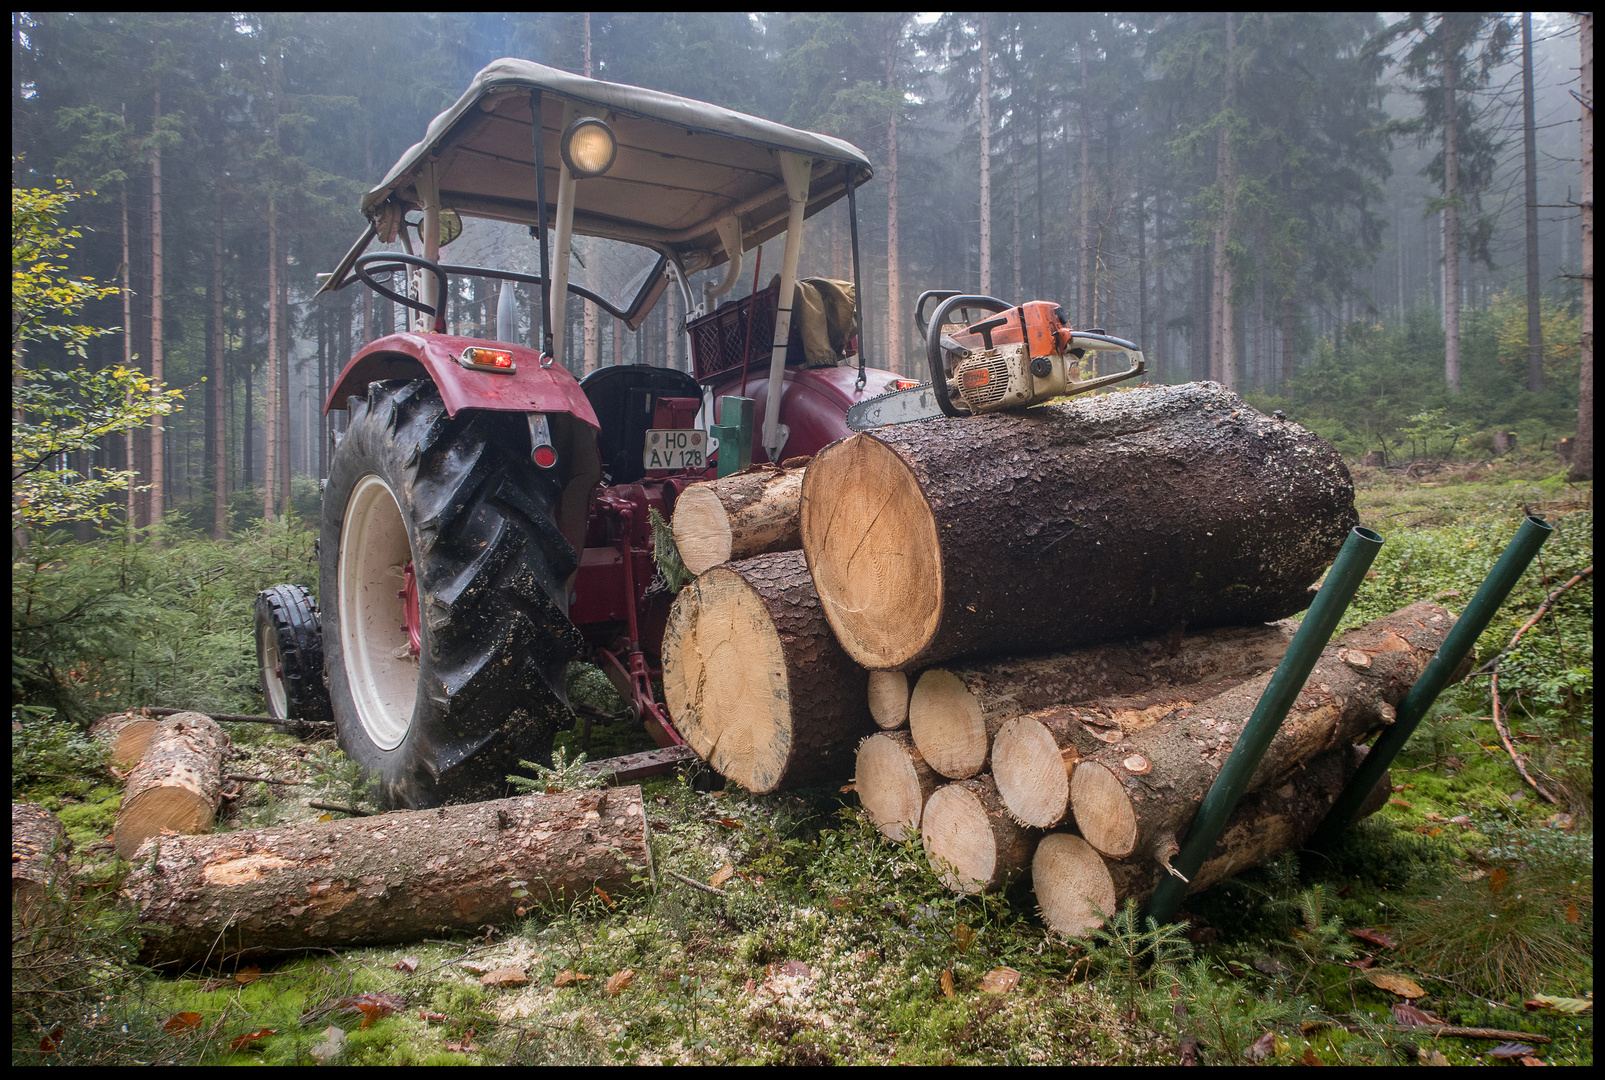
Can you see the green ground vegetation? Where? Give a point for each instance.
(826, 943)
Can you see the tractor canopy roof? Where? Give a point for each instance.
(681, 166)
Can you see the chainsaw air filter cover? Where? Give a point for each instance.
(1000, 378)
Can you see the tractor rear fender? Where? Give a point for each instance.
(528, 388)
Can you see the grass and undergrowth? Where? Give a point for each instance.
(828, 943)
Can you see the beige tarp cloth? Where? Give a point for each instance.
(823, 317)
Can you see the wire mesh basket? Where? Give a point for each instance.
(735, 335)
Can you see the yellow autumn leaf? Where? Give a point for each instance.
(1395, 984)
(947, 982)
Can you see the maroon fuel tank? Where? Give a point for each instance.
(814, 406)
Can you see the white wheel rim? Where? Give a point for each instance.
(272, 680)
(382, 676)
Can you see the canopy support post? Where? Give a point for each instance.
(798, 172)
(537, 136)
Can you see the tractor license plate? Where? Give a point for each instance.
(675, 448)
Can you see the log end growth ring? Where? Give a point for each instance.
(1072, 884)
(1031, 773)
(889, 787)
(701, 529)
(148, 813)
(873, 551)
(1103, 809)
(958, 839)
(888, 699)
(945, 719)
(725, 680)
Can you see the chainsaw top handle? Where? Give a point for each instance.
(934, 341)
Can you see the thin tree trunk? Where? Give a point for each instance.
(1583, 451)
(1223, 333)
(1014, 146)
(157, 478)
(286, 400)
(271, 411)
(1142, 270)
(1289, 329)
(130, 515)
(1535, 334)
(1042, 277)
(1161, 342)
(219, 445)
(1083, 271)
(986, 160)
(1451, 227)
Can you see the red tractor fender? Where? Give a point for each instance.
(815, 403)
(528, 388)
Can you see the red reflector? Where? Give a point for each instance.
(901, 384)
(545, 456)
(976, 377)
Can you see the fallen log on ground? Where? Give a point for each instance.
(893, 782)
(735, 517)
(392, 877)
(755, 680)
(971, 842)
(1074, 883)
(1136, 795)
(39, 847)
(888, 699)
(956, 710)
(125, 734)
(177, 785)
(1082, 521)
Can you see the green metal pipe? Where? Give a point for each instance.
(1459, 643)
(1305, 649)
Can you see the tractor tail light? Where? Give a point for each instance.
(499, 361)
(542, 452)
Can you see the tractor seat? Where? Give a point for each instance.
(624, 397)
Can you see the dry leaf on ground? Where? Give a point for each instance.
(947, 983)
(250, 1037)
(373, 1006)
(1375, 937)
(1408, 1016)
(504, 976)
(568, 977)
(1263, 1046)
(620, 981)
(722, 875)
(1395, 984)
(1000, 980)
(963, 936)
(408, 964)
(1511, 1050)
(183, 1021)
(1571, 1006)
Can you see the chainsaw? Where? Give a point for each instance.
(1023, 355)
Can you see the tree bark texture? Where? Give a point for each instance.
(986, 159)
(971, 842)
(1451, 225)
(1074, 883)
(157, 477)
(392, 877)
(126, 736)
(1529, 158)
(755, 680)
(39, 847)
(1582, 467)
(1138, 795)
(177, 785)
(894, 782)
(752, 512)
(961, 706)
(1070, 523)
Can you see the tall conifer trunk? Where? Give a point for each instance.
(1083, 271)
(271, 411)
(1451, 219)
(986, 161)
(130, 515)
(1529, 142)
(1223, 350)
(157, 471)
(1583, 450)
(219, 447)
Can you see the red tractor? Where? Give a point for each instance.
(486, 518)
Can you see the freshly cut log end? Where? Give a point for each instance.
(177, 785)
(888, 699)
(1069, 523)
(1105, 814)
(39, 847)
(1074, 888)
(1033, 771)
(873, 550)
(752, 512)
(126, 736)
(948, 726)
(971, 843)
(755, 681)
(894, 782)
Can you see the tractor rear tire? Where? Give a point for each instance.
(457, 499)
(289, 655)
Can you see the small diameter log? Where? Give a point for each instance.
(754, 678)
(1068, 524)
(39, 848)
(888, 699)
(1033, 757)
(177, 785)
(1137, 795)
(392, 877)
(956, 710)
(970, 841)
(1076, 886)
(126, 736)
(893, 782)
(748, 513)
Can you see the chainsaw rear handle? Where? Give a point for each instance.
(934, 341)
(1107, 343)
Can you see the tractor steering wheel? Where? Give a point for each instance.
(934, 342)
(363, 262)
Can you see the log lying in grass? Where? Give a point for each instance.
(888, 699)
(893, 782)
(971, 842)
(1073, 882)
(756, 682)
(1070, 523)
(748, 513)
(39, 849)
(1135, 796)
(956, 710)
(126, 736)
(392, 877)
(177, 785)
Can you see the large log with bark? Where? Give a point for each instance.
(970, 841)
(177, 785)
(126, 735)
(1070, 523)
(39, 848)
(755, 680)
(1135, 796)
(735, 517)
(1075, 885)
(956, 710)
(893, 782)
(393, 877)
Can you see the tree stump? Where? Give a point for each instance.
(177, 785)
(748, 513)
(39, 848)
(754, 678)
(970, 841)
(392, 877)
(1070, 523)
(893, 782)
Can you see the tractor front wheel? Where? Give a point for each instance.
(442, 573)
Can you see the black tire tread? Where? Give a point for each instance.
(293, 617)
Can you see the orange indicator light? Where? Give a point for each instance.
(488, 359)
